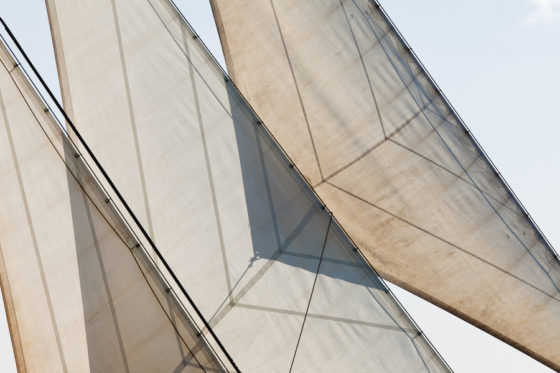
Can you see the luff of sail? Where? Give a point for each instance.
(81, 295)
(351, 104)
(280, 283)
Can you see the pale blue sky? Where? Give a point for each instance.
(497, 61)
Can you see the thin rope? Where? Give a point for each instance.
(311, 295)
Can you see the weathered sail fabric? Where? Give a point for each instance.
(346, 98)
(276, 278)
(77, 298)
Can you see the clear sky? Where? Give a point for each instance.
(498, 62)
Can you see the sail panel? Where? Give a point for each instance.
(398, 168)
(84, 298)
(241, 229)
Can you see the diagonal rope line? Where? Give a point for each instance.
(311, 295)
(426, 231)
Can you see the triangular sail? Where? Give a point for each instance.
(351, 104)
(80, 296)
(276, 278)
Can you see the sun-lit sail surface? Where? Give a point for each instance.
(273, 273)
(80, 296)
(353, 107)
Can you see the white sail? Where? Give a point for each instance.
(78, 299)
(276, 278)
(351, 104)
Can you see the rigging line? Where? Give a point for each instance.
(312, 290)
(451, 244)
(452, 173)
(119, 195)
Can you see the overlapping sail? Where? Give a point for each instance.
(80, 296)
(350, 103)
(279, 282)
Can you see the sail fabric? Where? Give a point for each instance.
(80, 296)
(353, 107)
(273, 274)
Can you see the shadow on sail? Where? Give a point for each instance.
(278, 281)
(352, 105)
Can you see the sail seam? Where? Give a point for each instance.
(132, 117)
(209, 172)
